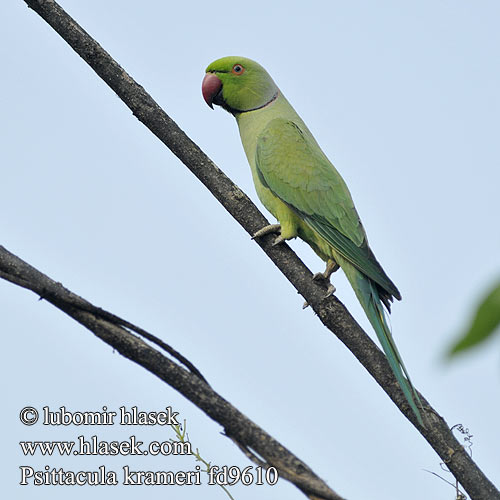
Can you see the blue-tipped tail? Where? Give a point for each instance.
(369, 297)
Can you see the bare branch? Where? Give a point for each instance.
(236, 426)
(331, 311)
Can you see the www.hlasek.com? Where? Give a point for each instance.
(92, 446)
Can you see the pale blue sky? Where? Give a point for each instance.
(402, 96)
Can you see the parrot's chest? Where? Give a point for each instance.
(251, 125)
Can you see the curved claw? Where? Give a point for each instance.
(278, 240)
(331, 290)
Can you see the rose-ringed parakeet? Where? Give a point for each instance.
(299, 185)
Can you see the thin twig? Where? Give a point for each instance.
(60, 294)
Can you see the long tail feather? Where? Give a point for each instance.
(370, 300)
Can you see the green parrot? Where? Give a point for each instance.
(299, 185)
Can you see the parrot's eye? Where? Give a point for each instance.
(238, 69)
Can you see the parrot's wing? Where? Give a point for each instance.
(293, 167)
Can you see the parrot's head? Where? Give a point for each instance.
(238, 84)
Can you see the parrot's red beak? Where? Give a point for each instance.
(210, 87)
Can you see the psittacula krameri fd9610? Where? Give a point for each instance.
(297, 183)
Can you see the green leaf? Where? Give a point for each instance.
(484, 324)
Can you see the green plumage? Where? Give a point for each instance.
(299, 185)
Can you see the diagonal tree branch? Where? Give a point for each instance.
(110, 329)
(331, 311)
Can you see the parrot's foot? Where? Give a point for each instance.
(271, 228)
(331, 267)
